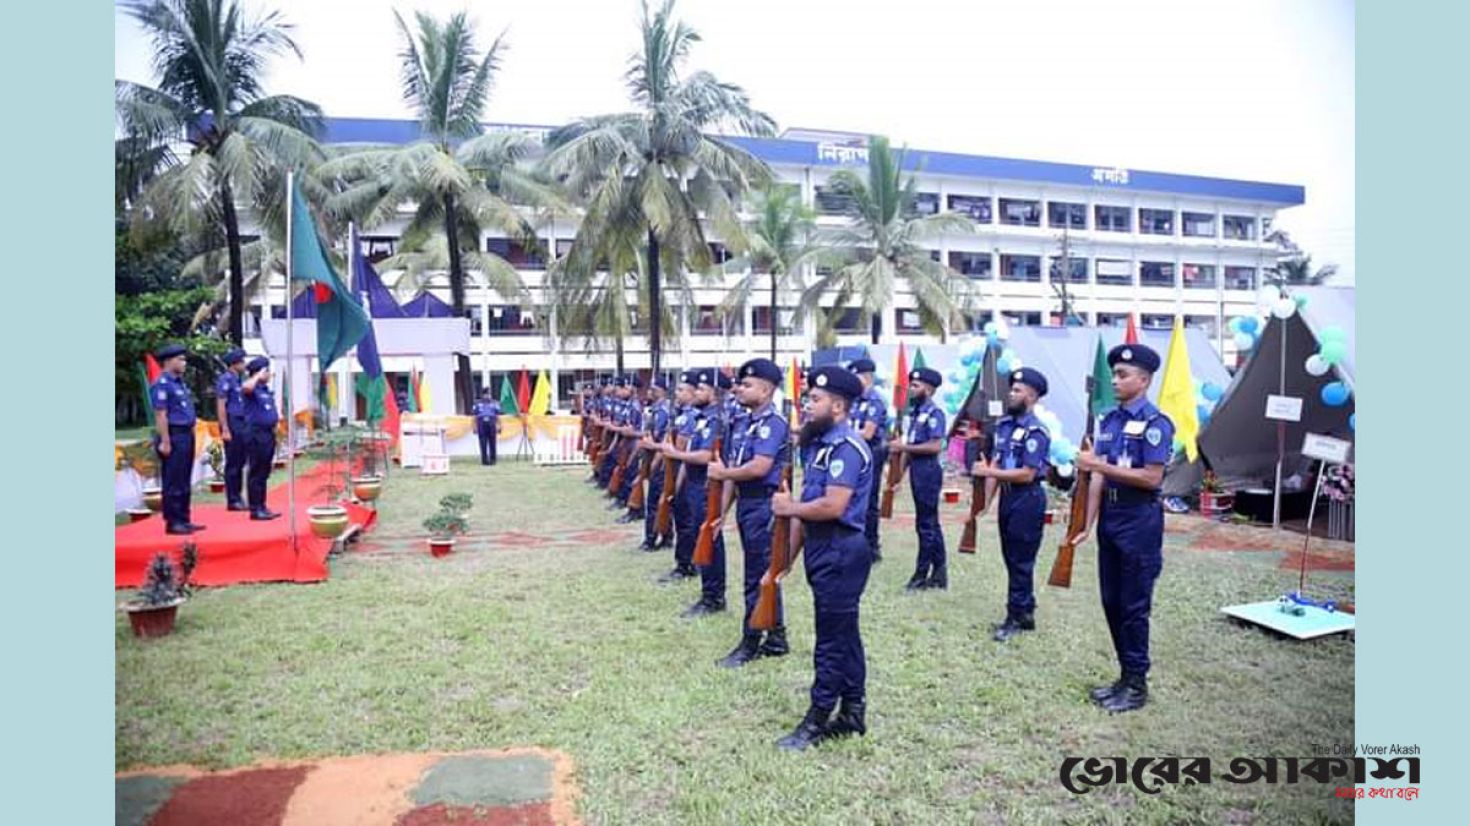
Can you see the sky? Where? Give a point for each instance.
(1259, 90)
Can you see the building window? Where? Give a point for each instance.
(1240, 278)
(974, 265)
(849, 321)
(1076, 270)
(908, 321)
(1112, 219)
(521, 256)
(1155, 274)
(1199, 225)
(1112, 319)
(719, 253)
(1020, 213)
(377, 247)
(1022, 319)
(761, 322)
(1072, 216)
(1055, 319)
(1239, 227)
(1156, 221)
(978, 208)
(1114, 272)
(974, 322)
(1201, 322)
(1020, 268)
(925, 203)
(1199, 276)
(509, 320)
(1156, 321)
(708, 322)
(563, 247)
(477, 320)
(830, 202)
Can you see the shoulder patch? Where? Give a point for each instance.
(837, 467)
(1031, 444)
(1154, 436)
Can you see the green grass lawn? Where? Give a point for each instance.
(571, 646)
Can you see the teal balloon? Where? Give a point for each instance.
(1212, 391)
(1333, 352)
(1234, 325)
(1353, 422)
(1244, 341)
(1332, 333)
(1301, 301)
(1335, 394)
(1250, 324)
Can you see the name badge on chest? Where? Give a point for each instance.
(1134, 427)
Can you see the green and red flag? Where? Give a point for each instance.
(341, 321)
(507, 398)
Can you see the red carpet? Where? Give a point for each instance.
(234, 548)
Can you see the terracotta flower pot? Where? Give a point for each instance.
(216, 486)
(153, 499)
(951, 496)
(327, 521)
(1215, 504)
(1051, 516)
(151, 621)
(367, 488)
(440, 546)
(138, 514)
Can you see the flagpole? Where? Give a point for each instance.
(290, 366)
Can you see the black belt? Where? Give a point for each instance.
(180, 428)
(1130, 496)
(1017, 487)
(754, 492)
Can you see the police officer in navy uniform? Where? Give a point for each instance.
(754, 473)
(686, 525)
(708, 421)
(230, 413)
(487, 426)
(870, 420)
(632, 432)
(173, 440)
(1017, 466)
(1134, 443)
(660, 418)
(832, 510)
(924, 444)
(261, 418)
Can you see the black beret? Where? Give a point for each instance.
(927, 375)
(762, 368)
(233, 355)
(722, 380)
(1030, 377)
(257, 363)
(1137, 355)
(689, 377)
(661, 382)
(863, 365)
(169, 351)
(835, 379)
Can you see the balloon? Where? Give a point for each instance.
(989, 327)
(1334, 394)
(1269, 293)
(1212, 391)
(991, 339)
(1202, 413)
(1249, 325)
(1002, 330)
(1332, 333)
(1065, 471)
(1332, 352)
(1353, 422)
(1317, 366)
(1244, 341)
(1003, 364)
(1283, 308)
(1301, 301)
(1233, 325)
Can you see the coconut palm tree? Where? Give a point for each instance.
(655, 170)
(1294, 266)
(458, 179)
(884, 245)
(210, 61)
(780, 241)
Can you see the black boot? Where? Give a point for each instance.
(703, 608)
(1133, 694)
(775, 644)
(237, 505)
(916, 582)
(939, 579)
(629, 517)
(851, 719)
(809, 732)
(747, 650)
(1103, 692)
(263, 515)
(1013, 626)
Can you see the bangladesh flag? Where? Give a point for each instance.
(508, 398)
(340, 321)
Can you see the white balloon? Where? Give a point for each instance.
(1065, 471)
(1317, 366)
(1002, 329)
(1283, 308)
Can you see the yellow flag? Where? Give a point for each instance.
(541, 396)
(1176, 394)
(424, 394)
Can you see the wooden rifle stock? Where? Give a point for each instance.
(620, 471)
(895, 476)
(1061, 568)
(977, 499)
(714, 501)
(763, 618)
(663, 519)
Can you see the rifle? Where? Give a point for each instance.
(1061, 568)
(896, 467)
(763, 618)
(977, 495)
(615, 484)
(661, 521)
(636, 498)
(714, 501)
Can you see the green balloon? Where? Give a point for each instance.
(1332, 352)
(1301, 301)
(1332, 333)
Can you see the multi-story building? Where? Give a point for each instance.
(1156, 244)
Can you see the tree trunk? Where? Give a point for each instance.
(464, 385)
(775, 315)
(618, 351)
(875, 322)
(655, 315)
(237, 266)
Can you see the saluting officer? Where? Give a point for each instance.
(755, 473)
(833, 510)
(660, 417)
(1134, 443)
(230, 413)
(696, 458)
(924, 444)
(1018, 466)
(686, 525)
(261, 418)
(173, 439)
(870, 420)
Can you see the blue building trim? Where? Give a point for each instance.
(805, 153)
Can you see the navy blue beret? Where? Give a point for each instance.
(863, 365)
(689, 377)
(169, 351)
(1030, 377)
(661, 382)
(233, 355)
(762, 368)
(837, 380)
(927, 375)
(1137, 355)
(257, 363)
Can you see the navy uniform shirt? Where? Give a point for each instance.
(260, 406)
(737, 419)
(172, 397)
(926, 425)
(703, 428)
(487, 413)
(871, 408)
(764, 434)
(227, 388)
(633, 414)
(1133, 436)
(840, 458)
(684, 422)
(1021, 442)
(659, 416)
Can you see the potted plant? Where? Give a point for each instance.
(152, 612)
(449, 522)
(367, 477)
(216, 454)
(329, 519)
(1214, 500)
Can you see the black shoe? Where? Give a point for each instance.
(645, 545)
(748, 649)
(263, 515)
(917, 582)
(628, 517)
(196, 527)
(615, 505)
(877, 557)
(775, 644)
(1103, 692)
(703, 608)
(237, 506)
(1131, 695)
(809, 732)
(178, 530)
(662, 542)
(850, 719)
(938, 579)
(651, 549)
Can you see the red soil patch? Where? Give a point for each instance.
(517, 539)
(529, 814)
(250, 798)
(596, 537)
(1217, 537)
(1318, 561)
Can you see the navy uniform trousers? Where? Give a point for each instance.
(875, 497)
(650, 499)
(176, 471)
(711, 576)
(236, 452)
(925, 478)
(754, 517)
(837, 564)
(1022, 517)
(488, 437)
(1130, 540)
(262, 450)
(630, 476)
